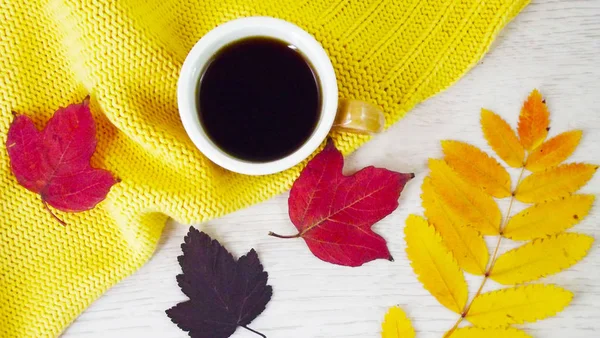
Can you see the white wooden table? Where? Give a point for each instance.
(552, 45)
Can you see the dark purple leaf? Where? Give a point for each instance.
(224, 294)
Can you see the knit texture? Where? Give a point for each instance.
(127, 55)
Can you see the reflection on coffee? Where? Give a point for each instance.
(259, 99)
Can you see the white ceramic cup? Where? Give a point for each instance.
(227, 33)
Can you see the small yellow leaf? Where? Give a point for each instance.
(518, 305)
(477, 168)
(434, 264)
(548, 218)
(396, 325)
(540, 258)
(478, 332)
(554, 151)
(502, 139)
(533, 121)
(555, 182)
(465, 243)
(472, 206)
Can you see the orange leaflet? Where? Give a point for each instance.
(502, 139)
(477, 168)
(533, 121)
(553, 151)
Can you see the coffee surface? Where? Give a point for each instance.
(259, 99)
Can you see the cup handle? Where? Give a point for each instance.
(358, 117)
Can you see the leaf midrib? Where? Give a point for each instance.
(328, 217)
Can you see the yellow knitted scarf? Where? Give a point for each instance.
(127, 55)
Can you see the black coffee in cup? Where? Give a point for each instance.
(259, 99)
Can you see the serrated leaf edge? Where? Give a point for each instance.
(572, 260)
(531, 286)
(447, 253)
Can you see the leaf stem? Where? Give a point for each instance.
(53, 215)
(281, 236)
(256, 332)
(454, 327)
(488, 271)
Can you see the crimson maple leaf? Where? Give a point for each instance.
(334, 213)
(55, 162)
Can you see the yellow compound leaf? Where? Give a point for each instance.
(533, 121)
(396, 325)
(540, 258)
(502, 139)
(477, 168)
(554, 183)
(548, 218)
(434, 264)
(518, 305)
(478, 332)
(554, 151)
(465, 243)
(470, 204)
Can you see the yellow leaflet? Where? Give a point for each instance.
(477, 332)
(540, 258)
(465, 243)
(502, 139)
(518, 305)
(434, 265)
(533, 121)
(553, 151)
(477, 168)
(554, 183)
(548, 218)
(396, 325)
(472, 206)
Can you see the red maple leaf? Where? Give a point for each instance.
(55, 162)
(334, 213)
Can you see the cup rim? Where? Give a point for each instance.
(235, 30)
